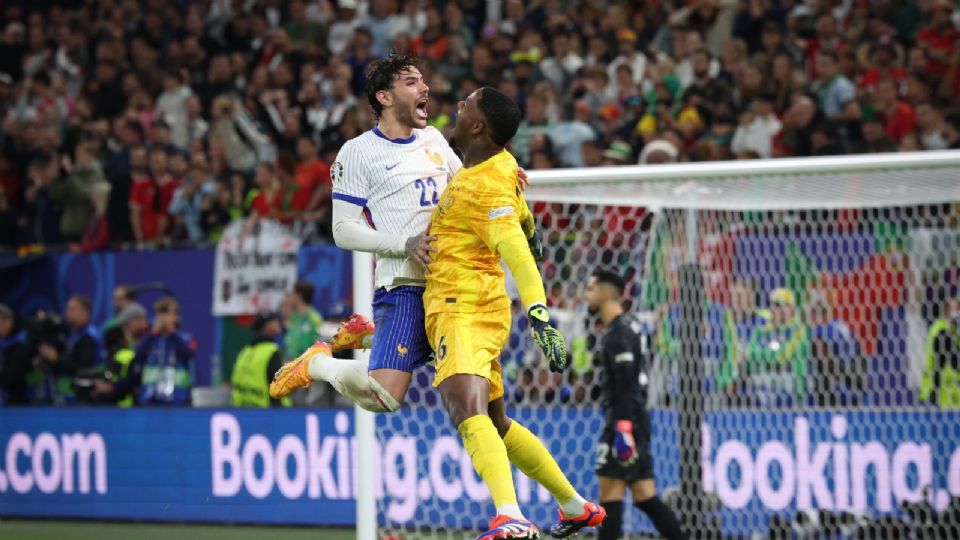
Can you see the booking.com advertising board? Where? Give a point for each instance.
(295, 466)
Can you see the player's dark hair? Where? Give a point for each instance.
(606, 277)
(382, 74)
(304, 290)
(502, 114)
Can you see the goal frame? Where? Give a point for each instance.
(545, 185)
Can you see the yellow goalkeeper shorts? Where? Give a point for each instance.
(469, 343)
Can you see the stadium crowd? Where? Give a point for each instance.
(151, 123)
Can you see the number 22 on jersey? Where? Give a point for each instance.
(429, 195)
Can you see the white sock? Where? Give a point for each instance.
(512, 510)
(349, 377)
(573, 507)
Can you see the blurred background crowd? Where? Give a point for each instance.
(154, 123)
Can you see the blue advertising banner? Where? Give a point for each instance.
(296, 466)
(47, 282)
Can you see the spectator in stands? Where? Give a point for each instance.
(835, 93)
(705, 92)
(145, 199)
(15, 360)
(658, 152)
(313, 177)
(218, 210)
(951, 129)
(239, 156)
(798, 125)
(39, 221)
(901, 120)
(740, 319)
(186, 206)
(97, 235)
(938, 40)
(930, 127)
(874, 139)
(73, 192)
(940, 385)
(278, 198)
(757, 128)
(8, 221)
(568, 137)
(774, 367)
(535, 122)
(619, 153)
(256, 365)
(303, 322)
(838, 373)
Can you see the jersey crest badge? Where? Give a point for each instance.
(446, 201)
(436, 158)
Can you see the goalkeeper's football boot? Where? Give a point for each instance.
(354, 333)
(592, 516)
(508, 528)
(294, 374)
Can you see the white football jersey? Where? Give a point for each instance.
(397, 182)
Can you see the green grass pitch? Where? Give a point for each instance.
(86, 530)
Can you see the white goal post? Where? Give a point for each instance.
(695, 206)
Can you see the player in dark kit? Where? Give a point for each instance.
(623, 453)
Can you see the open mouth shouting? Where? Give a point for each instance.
(421, 108)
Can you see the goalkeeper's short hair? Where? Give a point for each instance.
(502, 114)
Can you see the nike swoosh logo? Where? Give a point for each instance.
(390, 167)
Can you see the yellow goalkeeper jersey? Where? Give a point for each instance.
(481, 207)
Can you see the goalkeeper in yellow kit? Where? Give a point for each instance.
(477, 222)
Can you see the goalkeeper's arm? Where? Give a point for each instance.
(514, 251)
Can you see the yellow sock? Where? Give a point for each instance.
(489, 457)
(527, 452)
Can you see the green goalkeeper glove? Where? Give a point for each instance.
(548, 338)
(533, 237)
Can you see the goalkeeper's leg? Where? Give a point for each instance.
(530, 455)
(646, 500)
(465, 398)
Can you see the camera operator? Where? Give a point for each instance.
(161, 371)
(58, 363)
(14, 360)
(47, 381)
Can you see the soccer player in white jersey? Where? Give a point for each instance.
(386, 182)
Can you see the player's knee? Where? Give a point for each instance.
(386, 401)
(501, 422)
(643, 490)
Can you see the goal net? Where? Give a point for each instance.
(792, 384)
